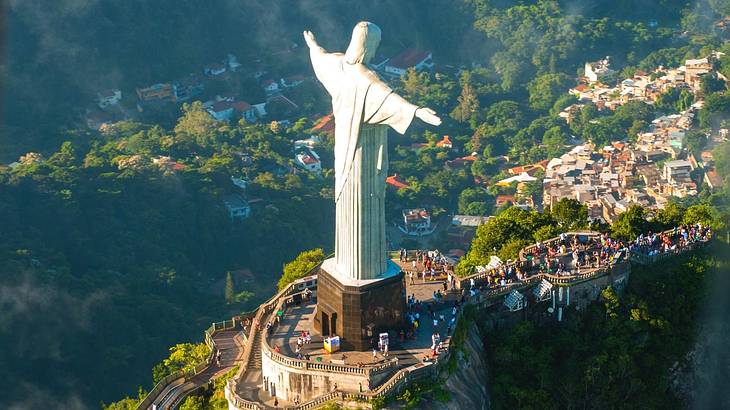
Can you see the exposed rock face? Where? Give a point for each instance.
(468, 384)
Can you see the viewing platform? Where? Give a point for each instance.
(568, 271)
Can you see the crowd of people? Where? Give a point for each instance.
(654, 244)
(569, 255)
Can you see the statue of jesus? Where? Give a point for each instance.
(364, 107)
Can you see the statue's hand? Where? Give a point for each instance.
(309, 38)
(428, 116)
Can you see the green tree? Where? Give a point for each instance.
(475, 201)
(562, 103)
(570, 214)
(300, 266)
(230, 291)
(629, 224)
(670, 216)
(715, 110)
(196, 126)
(194, 403)
(694, 141)
(710, 83)
(545, 89)
(183, 357)
(555, 139)
(468, 104)
(703, 214)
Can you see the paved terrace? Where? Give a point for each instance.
(298, 318)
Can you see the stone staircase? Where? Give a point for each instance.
(254, 362)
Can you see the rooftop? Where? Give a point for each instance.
(408, 58)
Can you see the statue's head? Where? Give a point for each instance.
(364, 43)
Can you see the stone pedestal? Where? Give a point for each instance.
(359, 310)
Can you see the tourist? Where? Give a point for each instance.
(410, 276)
(375, 354)
(276, 402)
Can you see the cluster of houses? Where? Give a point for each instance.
(223, 107)
(610, 179)
(598, 84)
(226, 107)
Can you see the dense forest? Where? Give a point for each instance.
(108, 258)
(628, 352)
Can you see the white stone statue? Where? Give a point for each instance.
(364, 106)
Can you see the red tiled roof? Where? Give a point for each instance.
(503, 199)
(396, 182)
(241, 106)
(517, 170)
(221, 106)
(713, 178)
(325, 124)
(618, 145)
(408, 58)
(445, 141)
(581, 87)
(308, 159)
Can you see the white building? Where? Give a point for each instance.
(214, 70)
(469, 220)
(309, 160)
(599, 71)
(416, 222)
(677, 171)
(271, 87)
(412, 57)
(108, 97)
(221, 110)
(245, 111)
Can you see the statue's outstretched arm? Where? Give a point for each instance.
(312, 43)
(396, 112)
(325, 64)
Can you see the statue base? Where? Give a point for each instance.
(359, 310)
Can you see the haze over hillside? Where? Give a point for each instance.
(130, 223)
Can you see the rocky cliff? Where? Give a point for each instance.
(468, 383)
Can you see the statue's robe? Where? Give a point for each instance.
(364, 106)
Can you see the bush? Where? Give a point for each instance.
(299, 267)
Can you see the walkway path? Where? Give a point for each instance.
(231, 348)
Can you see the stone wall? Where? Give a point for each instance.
(565, 298)
(316, 379)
